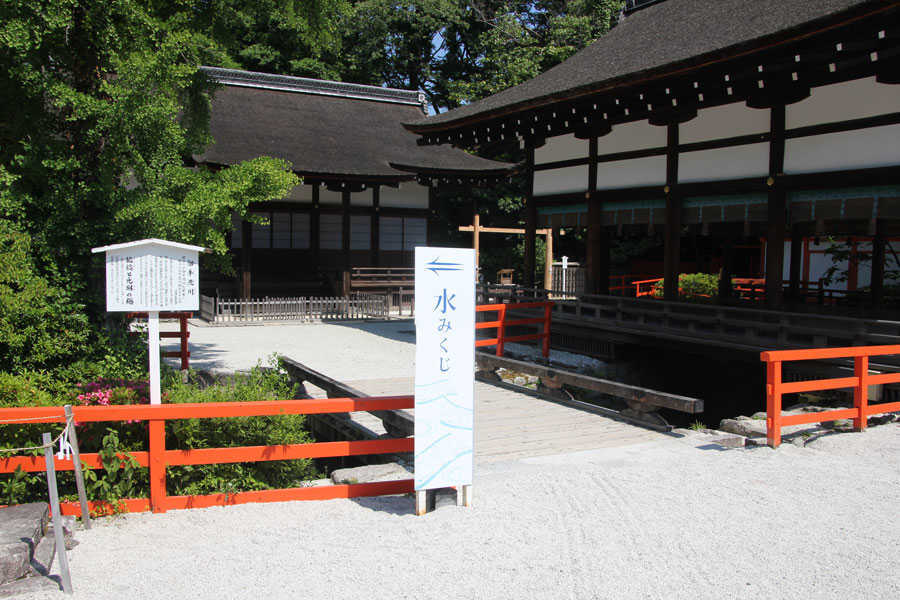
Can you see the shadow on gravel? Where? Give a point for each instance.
(204, 357)
(398, 331)
(393, 505)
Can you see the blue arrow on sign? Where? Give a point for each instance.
(435, 266)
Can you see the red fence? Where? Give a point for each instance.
(502, 323)
(183, 334)
(158, 458)
(860, 382)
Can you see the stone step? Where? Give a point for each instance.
(21, 529)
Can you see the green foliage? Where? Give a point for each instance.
(692, 286)
(120, 478)
(40, 325)
(259, 384)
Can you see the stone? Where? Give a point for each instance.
(369, 473)
(21, 528)
(744, 426)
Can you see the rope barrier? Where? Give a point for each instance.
(42, 446)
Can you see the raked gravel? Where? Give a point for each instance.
(679, 518)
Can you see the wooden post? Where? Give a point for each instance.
(726, 289)
(376, 226)
(796, 262)
(878, 249)
(60, 537)
(773, 403)
(597, 236)
(246, 253)
(777, 220)
(76, 463)
(464, 496)
(430, 229)
(672, 263)
(861, 392)
(530, 218)
(157, 465)
(548, 261)
(153, 354)
(185, 352)
(345, 227)
(476, 242)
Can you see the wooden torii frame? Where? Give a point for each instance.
(476, 229)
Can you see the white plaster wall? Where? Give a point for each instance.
(329, 197)
(631, 136)
(408, 195)
(301, 193)
(561, 147)
(632, 173)
(864, 148)
(842, 101)
(561, 181)
(724, 163)
(724, 121)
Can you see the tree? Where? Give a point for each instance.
(105, 108)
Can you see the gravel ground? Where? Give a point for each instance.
(354, 350)
(345, 351)
(672, 519)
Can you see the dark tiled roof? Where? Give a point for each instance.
(325, 128)
(657, 39)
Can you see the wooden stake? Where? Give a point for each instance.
(79, 476)
(64, 573)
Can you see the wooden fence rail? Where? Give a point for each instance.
(158, 458)
(859, 382)
(358, 306)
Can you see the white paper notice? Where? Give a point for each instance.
(445, 367)
(152, 278)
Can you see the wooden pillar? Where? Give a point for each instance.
(314, 227)
(345, 227)
(672, 265)
(878, 249)
(548, 260)
(476, 242)
(432, 220)
(597, 236)
(530, 218)
(796, 262)
(246, 255)
(777, 220)
(376, 225)
(726, 289)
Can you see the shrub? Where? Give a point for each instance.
(692, 286)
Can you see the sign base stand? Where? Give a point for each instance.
(153, 350)
(464, 496)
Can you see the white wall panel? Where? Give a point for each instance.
(724, 121)
(408, 195)
(561, 181)
(632, 136)
(301, 193)
(842, 101)
(864, 148)
(632, 173)
(724, 163)
(561, 147)
(329, 197)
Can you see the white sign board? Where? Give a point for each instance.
(152, 275)
(445, 367)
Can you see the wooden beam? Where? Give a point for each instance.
(345, 227)
(376, 226)
(315, 226)
(509, 230)
(796, 262)
(597, 236)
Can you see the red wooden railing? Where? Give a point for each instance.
(645, 287)
(860, 382)
(183, 334)
(502, 323)
(158, 458)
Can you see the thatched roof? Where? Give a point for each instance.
(326, 128)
